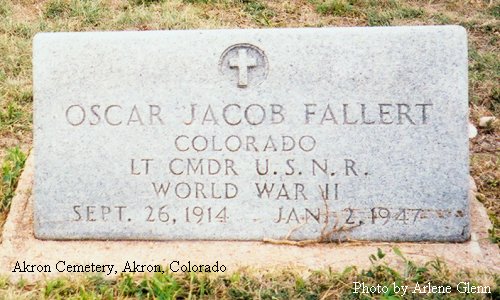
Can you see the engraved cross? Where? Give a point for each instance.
(242, 62)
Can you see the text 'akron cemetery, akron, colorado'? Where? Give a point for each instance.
(333, 133)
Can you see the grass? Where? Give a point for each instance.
(291, 283)
(484, 72)
(486, 168)
(20, 20)
(11, 170)
(260, 12)
(375, 13)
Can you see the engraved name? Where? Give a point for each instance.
(254, 114)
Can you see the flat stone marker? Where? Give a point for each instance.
(332, 133)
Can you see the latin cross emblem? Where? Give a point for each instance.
(244, 64)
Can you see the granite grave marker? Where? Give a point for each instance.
(331, 133)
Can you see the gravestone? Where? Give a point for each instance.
(322, 134)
